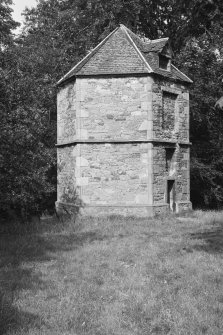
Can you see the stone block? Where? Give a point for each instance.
(60, 129)
(136, 113)
(77, 173)
(144, 126)
(81, 181)
(82, 134)
(144, 158)
(109, 190)
(141, 199)
(75, 151)
(144, 105)
(81, 161)
(82, 113)
(86, 199)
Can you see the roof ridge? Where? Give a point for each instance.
(159, 39)
(128, 30)
(135, 47)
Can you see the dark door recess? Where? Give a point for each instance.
(171, 195)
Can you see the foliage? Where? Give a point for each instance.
(202, 60)
(27, 160)
(6, 23)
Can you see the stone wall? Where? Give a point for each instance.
(126, 108)
(168, 108)
(123, 177)
(170, 111)
(115, 173)
(106, 174)
(183, 175)
(113, 108)
(66, 113)
(179, 171)
(67, 190)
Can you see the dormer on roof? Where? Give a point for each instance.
(165, 57)
(123, 52)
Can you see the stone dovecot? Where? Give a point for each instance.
(123, 130)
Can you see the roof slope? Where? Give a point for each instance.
(123, 52)
(109, 60)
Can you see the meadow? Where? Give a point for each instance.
(113, 276)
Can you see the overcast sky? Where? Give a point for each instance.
(19, 6)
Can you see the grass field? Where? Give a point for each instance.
(114, 276)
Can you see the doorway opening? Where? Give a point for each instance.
(171, 195)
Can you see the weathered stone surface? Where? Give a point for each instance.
(170, 111)
(113, 174)
(125, 127)
(123, 131)
(66, 113)
(178, 171)
(113, 108)
(67, 190)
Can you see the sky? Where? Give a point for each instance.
(19, 6)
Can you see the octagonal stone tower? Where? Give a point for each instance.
(123, 130)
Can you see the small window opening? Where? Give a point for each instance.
(169, 156)
(164, 62)
(168, 111)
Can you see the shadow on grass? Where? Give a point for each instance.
(209, 240)
(18, 256)
(13, 319)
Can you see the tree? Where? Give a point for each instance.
(27, 158)
(202, 60)
(7, 24)
(27, 161)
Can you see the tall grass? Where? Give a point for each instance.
(114, 275)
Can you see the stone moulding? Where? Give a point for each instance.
(122, 141)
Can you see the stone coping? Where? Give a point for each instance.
(69, 143)
(136, 210)
(122, 205)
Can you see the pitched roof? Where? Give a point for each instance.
(123, 52)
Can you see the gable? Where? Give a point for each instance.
(117, 55)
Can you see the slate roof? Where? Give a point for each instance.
(123, 52)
